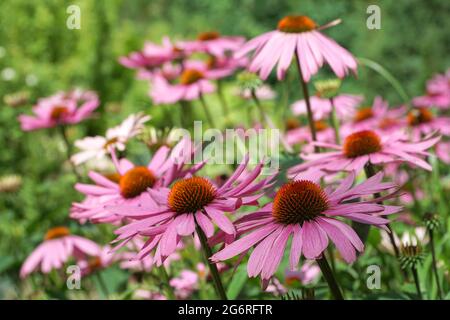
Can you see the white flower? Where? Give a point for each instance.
(97, 147)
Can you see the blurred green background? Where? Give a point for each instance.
(40, 55)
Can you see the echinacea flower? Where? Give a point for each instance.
(363, 147)
(130, 185)
(307, 213)
(299, 36)
(58, 246)
(152, 55)
(93, 263)
(60, 109)
(345, 105)
(438, 100)
(185, 284)
(308, 273)
(213, 43)
(263, 92)
(98, 147)
(193, 201)
(378, 115)
(422, 121)
(192, 83)
(439, 84)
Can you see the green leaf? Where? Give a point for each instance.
(237, 283)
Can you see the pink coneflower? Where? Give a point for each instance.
(130, 185)
(307, 212)
(149, 295)
(301, 36)
(191, 85)
(60, 109)
(363, 147)
(379, 115)
(58, 246)
(345, 105)
(438, 100)
(213, 43)
(422, 121)
(152, 55)
(222, 67)
(101, 260)
(443, 151)
(98, 147)
(185, 284)
(439, 84)
(263, 92)
(308, 273)
(189, 202)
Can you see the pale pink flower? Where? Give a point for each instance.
(185, 284)
(301, 36)
(378, 116)
(363, 147)
(438, 100)
(439, 84)
(149, 295)
(263, 92)
(422, 122)
(60, 109)
(308, 273)
(345, 105)
(307, 212)
(276, 288)
(58, 247)
(192, 84)
(443, 151)
(102, 260)
(98, 147)
(152, 55)
(213, 43)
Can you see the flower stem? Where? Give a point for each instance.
(164, 275)
(102, 284)
(416, 281)
(330, 278)
(335, 122)
(223, 102)
(262, 114)
(207, 113)
(212, 266)
(62, 130)
(312, 126)
(435, 270)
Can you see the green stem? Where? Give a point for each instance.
(212, 266)
(207, 113)
(223, 102)
(103, 287)
(262, 114)
(330, 278)
(416, 281)
(165, 276)
(335, 122)
(312, 126)
(62, 130)
(435, 270)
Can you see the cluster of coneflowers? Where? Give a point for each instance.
(326, 204)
